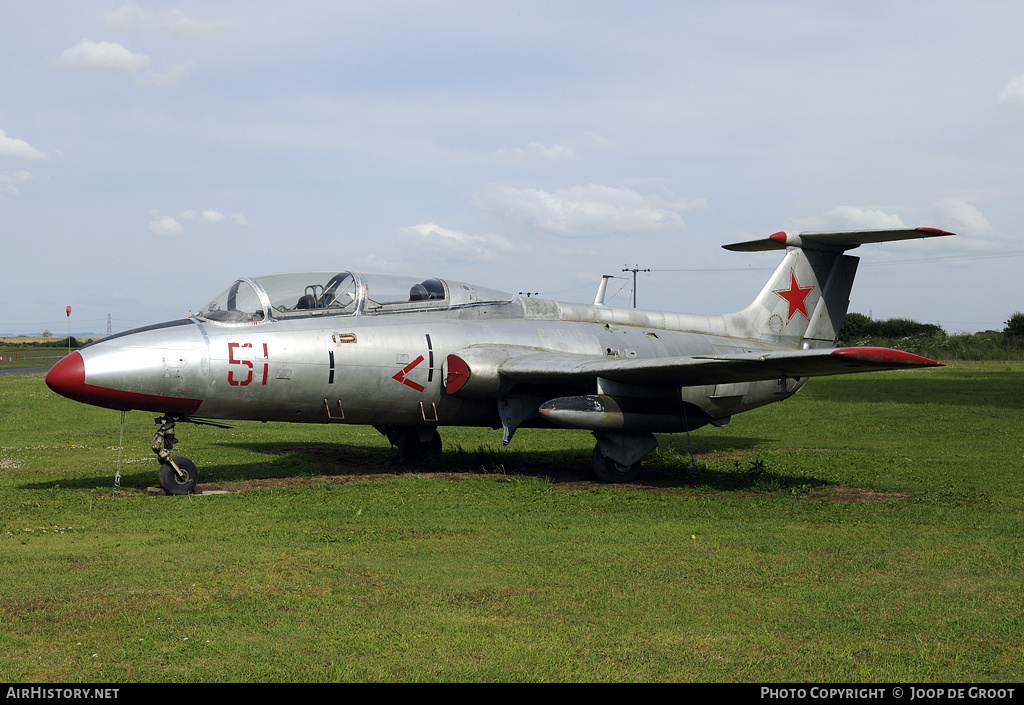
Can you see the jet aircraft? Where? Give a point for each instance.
(411, 354)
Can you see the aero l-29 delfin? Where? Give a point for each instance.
(410, 354)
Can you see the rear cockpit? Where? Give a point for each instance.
(312, 294)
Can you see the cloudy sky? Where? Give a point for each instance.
(150, 153)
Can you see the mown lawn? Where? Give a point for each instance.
(868, 530)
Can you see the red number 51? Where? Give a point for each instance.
(232, 361)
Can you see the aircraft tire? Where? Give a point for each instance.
(607, 470)
(171, 483)
(413, 451)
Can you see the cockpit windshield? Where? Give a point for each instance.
(241, 303)
(307, 294)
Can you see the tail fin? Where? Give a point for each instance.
(804, 302)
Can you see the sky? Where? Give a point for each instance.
(151, 153)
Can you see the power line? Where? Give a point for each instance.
(634, 270)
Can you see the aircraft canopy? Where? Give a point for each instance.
(310, 294)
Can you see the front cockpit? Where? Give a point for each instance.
(309, 294)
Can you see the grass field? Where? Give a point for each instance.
(18, 356)
(870, 529)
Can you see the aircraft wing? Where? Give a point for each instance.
(550, 367)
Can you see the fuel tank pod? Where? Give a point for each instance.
(595, 412)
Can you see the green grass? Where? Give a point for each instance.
(25, 356)
(869, 529)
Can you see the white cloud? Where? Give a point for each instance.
(8, 183)
(170, 76)
(1013, 92)
(165, 226)
(373, 263)
(962, 217)
(851, 218)
(211, 216)
(590, 210)
(103, 56)
(130, 16)
(562, 150)
(600, 141)
(14, 148)
(176, 22)
(455, 245)
(169, 226)
(123, 18)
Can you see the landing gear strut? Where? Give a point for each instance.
(608, 470)
(178, 474)
(617, 456)
(416, 444)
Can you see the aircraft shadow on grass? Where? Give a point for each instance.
(669, 468)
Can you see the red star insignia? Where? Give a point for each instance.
(795, 296)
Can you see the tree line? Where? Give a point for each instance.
(930, 340)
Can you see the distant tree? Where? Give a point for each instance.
(857, 325)
(61, 343)
(1013, 334)
(853, 325)
(904, 328)
(47, 333)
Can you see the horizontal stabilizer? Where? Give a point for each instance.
(567, 368)
(834, 241)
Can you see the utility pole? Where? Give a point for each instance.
(634, 270)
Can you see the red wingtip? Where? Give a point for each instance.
(886, 356)
(779, 237)
(935, 231)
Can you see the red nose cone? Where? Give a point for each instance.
(67, 378)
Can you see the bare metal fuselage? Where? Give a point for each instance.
(390, 368)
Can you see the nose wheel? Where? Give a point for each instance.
(178, 475)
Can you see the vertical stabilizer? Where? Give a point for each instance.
(805, 300)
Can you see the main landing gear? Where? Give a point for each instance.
(177, 474)
(416, 445)
(617, 456)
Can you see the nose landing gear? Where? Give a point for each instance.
(177, 474)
